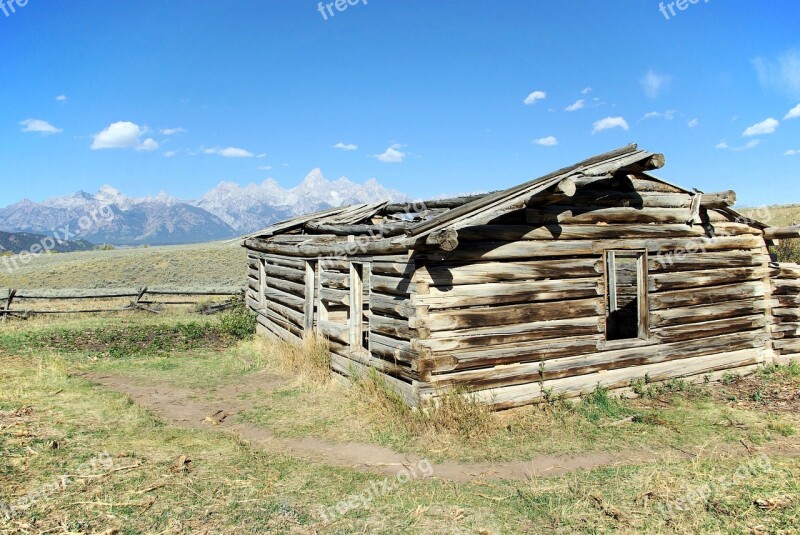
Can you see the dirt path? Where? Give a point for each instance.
(185, 408)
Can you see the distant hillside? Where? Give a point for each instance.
(18, 242)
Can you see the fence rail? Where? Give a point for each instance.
(139, 299)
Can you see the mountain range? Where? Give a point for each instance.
(227, 211)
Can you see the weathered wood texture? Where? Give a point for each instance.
(786, 310)
(516, 307)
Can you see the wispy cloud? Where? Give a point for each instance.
(347, 147)
(39, 126)
(653, 83)
(62, 98)
(781, 74)
(549, 141)
(721, 145)
(694, 123)
(753, 143)
(586, 90)
(230, 152)
(666, 115)
(794, 113)
(170, 154)
(610, 122)
(391, 155)
(265, 168)
(535, 97)
(767, 126)
(791, 152)
(577, 105)
(173, 131)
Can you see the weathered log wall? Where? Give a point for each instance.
(386, 289)
(786, 311)
(518, 309)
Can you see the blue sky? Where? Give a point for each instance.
(179, 95)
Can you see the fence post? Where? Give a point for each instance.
(9, 300)
(142, 291)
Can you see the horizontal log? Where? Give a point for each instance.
(339, 297)
(637, 183)
(728, 228)
(694, 331)
(500, 293)
(577, 232)
(393, 348)
(391, 285)
(290, 314)
(696, 314)
(787, 314)
(331, 330)
(489, 337)
(598, 362)
(279, 272)
(780, 233)
(622, 199)
(488, 272)
(660, 282)
(392, 305)
(707, 296)
(287, 299)
(404, 269)
(787, 271)
(283, 261)
(786, 286)
(287, 286)
(335, 280)
(316, 247)
(389, 368)
(506, 315)
(664, 250)
(710, 260)
(578, 214)
(388, 326)
(788, 346)
(519, 395)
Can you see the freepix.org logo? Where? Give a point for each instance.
(326, 10)
(9, 7)
(668, 10)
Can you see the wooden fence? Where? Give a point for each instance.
(141, 299)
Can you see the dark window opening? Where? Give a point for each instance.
(626, 295)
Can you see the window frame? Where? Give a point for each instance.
(644, 336)
(360, 338)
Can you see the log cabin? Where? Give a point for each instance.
(596, 274)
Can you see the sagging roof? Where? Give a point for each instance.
(413, 221)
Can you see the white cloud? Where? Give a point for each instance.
(170, 154)
(39, 126)
(767, 126)
(794, 113)
(753, 143)
(265, 168)
(549, 141)
(577, 105)
(694, 123)
(653, 83)
(667, 115)
(722, 145)
(230, 152)
(782, 75)
(791, 152)
(123, 135)
(586, 91)
(610, 122)
(173, 131)
(391, 155)
(534, 97)
(62, 98)
(262, 155)
(346, 146)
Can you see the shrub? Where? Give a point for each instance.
(238, 322)
(788, 251)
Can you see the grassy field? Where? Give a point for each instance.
(208, 265)
(78, 457)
